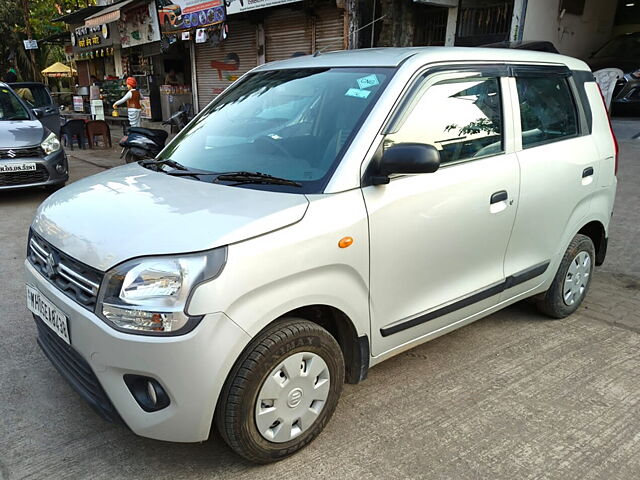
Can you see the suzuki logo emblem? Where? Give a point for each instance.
(50, 267)
(11, 154)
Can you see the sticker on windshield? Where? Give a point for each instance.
(368, 81)
(358, 93)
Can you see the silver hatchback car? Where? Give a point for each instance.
(320, 216)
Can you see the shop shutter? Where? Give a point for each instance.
(219, 66)
(287, 34)
(329, 25)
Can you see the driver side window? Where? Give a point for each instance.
(461, 117)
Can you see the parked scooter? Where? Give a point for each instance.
(141, 143)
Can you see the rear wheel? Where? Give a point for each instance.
(572, 280)
(282, 391)
(129, 157)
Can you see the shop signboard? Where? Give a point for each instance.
(139, 25)
(93, 38)
(239, 6)
(178, 15)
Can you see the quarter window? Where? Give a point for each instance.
(462, 118)
(547, 110)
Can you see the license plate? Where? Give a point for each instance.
(17, 167)
(48, 313)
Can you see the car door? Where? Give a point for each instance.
(437, 241)
(559, 164)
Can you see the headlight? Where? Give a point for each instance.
(636, 74)
(51, 144)
(150, 295)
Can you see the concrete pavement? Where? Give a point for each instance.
(514, 395)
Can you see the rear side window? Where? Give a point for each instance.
(547, 110)
(35, 95)
(461, 117)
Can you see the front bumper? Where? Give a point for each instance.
(45, 175)
(192, 368)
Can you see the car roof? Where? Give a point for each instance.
(394, 57)
(27, 84)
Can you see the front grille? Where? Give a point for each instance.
(76, 371)
(13, 153)
(75, 279)
(39, 175)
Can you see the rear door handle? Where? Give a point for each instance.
(500, 196)
(587, 172)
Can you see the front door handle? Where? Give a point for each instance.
(587, 172)
(498, 197)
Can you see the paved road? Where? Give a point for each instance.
(511, 396)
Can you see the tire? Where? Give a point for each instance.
(129, 157)
(555, 303)
(54, 188)
(259, 372)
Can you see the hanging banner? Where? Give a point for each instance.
(238, 6)
(139, 25)
(176, 15)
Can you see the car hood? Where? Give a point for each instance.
(627, 65)
(20, 133)
(130, 211)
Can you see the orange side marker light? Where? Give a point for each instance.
(345, 242)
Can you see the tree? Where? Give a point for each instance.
(13, 30)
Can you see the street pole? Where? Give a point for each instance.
(27, 23)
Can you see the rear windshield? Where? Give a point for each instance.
(10, 106)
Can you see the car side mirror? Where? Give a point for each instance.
(407, 158)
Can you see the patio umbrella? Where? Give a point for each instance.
(58, 70)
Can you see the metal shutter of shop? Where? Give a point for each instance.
(219, 66)
(329, 25)
(287, 34)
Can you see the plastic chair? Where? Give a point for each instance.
(74, 128)
(98, 128)
(606, 79)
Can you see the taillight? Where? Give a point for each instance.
(613, 135)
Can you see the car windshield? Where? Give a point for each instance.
(292, 124)
(10, 106)
(626, 46)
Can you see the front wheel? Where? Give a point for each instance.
(572, 280)
(282, 391)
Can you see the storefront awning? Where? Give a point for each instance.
(108, 15)
(79, 15)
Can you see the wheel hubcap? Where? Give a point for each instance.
(292, 397)
(577, 279)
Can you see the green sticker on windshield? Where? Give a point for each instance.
(358, 93)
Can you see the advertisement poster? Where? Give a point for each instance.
(177, 15)
(138, 26)
(238, 6)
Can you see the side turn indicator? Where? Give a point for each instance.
(345, 242)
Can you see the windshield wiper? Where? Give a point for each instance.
(166, 161)
(179, 169)
(241, 178)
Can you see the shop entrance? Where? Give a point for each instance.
(174, 69)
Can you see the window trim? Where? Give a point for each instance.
(579, 114)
